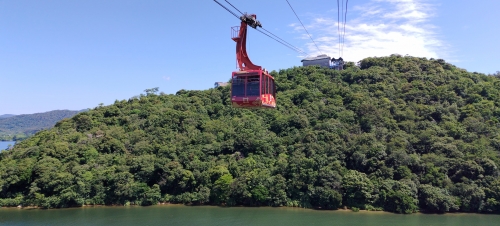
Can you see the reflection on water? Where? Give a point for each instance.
(208, 215)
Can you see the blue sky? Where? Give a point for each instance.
(59, 54)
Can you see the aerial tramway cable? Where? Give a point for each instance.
(233, 6)
(251, 85)
(338, 24)
(345, 20)
(287, 44)
(341, 21)
(303, 26)
(341, 29)
(263, 31)
(227, 9)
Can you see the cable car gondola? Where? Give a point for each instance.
(251, 86)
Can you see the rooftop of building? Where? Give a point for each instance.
(319, 57)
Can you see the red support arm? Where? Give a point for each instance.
(244, 62)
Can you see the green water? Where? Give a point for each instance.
(206, 215)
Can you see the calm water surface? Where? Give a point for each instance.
(5, 144)
(209, 216)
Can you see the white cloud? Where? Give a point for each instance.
(166, 78)
(380, 28)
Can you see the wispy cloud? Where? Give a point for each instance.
(166, 78)
(378, 28)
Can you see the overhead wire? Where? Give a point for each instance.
(291, 47)
(345, 19)
(342, 34)
(278, 39)
(341, 22)
(341, 30)
(294, 48)
(227, 9)
(338, 23)
(303, 26)
(233, 6)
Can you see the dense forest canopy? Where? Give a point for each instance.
(19, 127)
(400, 134)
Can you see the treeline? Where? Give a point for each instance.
(20, 127)
(400, 134)
(6, 116)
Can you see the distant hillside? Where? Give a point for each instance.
(6, 116)
(21, 126)
(400, 134)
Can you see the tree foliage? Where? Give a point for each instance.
(397, 133)
(20, 127)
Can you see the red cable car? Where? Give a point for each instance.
(251, 86)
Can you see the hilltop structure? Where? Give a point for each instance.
(220, 84)
(321, 60)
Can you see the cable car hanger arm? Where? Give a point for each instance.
(244, 62)
(252, 22)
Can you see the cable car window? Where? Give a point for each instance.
(268, 82)
(269, 85)
(238, 86)
(272, 88)
(253, 85)
(264, 84)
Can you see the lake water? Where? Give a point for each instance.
(5, 144)
(238, 216)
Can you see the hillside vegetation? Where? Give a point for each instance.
(6, 116)
(18, 127)
(399, 134)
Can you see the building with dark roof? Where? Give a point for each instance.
(321, 60)
(217, 84)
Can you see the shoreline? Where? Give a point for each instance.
(343, 210)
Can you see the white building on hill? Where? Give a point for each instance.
(321, 60)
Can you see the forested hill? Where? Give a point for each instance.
(6, 116)
(400, 134)
(20, 126)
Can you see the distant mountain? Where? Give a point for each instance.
(21, 126)
(6, 116)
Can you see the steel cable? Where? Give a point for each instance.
(268, 35)
(345, 20)
(303, 26)
(296, 49)
(338, 24)
(233, 6)
(289, 46)
(227, 9)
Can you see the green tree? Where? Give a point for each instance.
(436, 199)
(358, 189)
(398, 133)
(221, 188)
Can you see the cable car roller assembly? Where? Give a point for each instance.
(252, 86)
